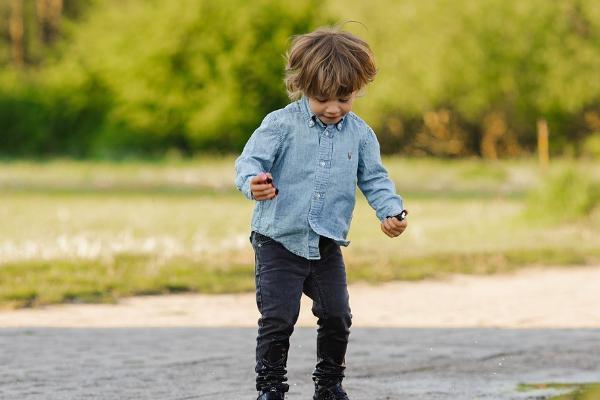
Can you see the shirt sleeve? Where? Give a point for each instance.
(373, 179)
(258, 154)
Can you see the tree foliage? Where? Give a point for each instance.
(455, 77)
(145, 76)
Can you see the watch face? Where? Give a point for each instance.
(402, 215)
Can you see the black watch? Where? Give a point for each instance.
(401, 216)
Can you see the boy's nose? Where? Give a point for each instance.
(332, 110)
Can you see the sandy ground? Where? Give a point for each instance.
(565, 297)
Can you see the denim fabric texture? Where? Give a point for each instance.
(316, 168)
(281, 278)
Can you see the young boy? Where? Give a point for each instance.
(302, 166)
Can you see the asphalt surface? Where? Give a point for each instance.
(206, 363)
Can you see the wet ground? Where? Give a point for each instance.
(215, 363)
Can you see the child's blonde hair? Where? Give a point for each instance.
(328, 63)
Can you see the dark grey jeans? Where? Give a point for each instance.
(281, 278)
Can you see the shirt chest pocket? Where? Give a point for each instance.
(345, 164)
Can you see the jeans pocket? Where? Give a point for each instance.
(259, 240)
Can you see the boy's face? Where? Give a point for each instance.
(331, 111)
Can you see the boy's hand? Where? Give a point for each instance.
(262, 187)
(392, 227)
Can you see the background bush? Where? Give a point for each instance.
(565, 195)
(465, 77)
(143, 77)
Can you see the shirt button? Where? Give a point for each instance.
(322, 163)
(317, 195)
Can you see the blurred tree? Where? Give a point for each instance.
(33, 27)
(496, 66)
(189, 74)
(143, 77)
(49, 13)
(456, 77)
(16, 32)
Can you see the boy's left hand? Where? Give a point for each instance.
(392, 227)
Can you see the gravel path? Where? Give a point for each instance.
(216, 363)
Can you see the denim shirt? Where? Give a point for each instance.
(316, 168)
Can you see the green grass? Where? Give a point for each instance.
(576, 391)
(34, 283)
(87, 231)
(438, 265)
(565, 195)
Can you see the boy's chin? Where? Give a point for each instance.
(329, 121)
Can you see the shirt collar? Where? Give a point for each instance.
(312, 119)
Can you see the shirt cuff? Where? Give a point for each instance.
(391, 212)
(246, 189)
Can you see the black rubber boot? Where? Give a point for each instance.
(273, 393)
(271, 366)
(330, 392)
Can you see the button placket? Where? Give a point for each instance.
(323, 171)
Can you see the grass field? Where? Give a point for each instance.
(584, 391)
(89, 231)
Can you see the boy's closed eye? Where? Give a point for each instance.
(342, 100)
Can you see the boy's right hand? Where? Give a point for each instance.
(261, 190)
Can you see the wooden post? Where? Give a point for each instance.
(543, 147)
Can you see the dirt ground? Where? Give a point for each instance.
(433, 340)
(561, 297)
